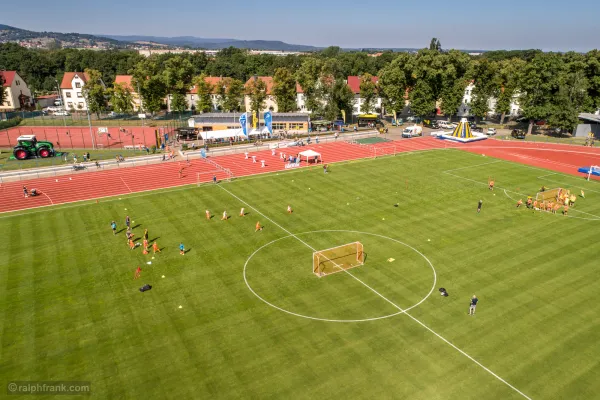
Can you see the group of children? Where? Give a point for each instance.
(225, 217)
(131, 241)
(564, 199)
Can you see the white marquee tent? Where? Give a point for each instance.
(311, 155)
(222, 134)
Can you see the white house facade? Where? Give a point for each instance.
(353, 83)
(71, 89)
(18, 96)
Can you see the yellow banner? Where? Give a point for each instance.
(395, 119)
(344, 115)
(254, 119)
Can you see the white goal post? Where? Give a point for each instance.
(202, 178)
(384, 151)
(338, 259)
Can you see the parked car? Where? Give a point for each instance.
(431, 123)
(412, 131)
(518, 134)
(61, 113)
(490, 131)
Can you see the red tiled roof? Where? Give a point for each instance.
(266, 79)
(299, 88)
(47, 96)
(9, 76)
(354, 83)
(68, 79)
(212, 80)
(124, 80)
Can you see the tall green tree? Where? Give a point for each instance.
(507, 85)
(284, 90)
(308, 77)
(394, 83)
(540, 84)
(257, 91)
(435, 44)
(178, 102)
(593, 75)
(177, 76)
(148, 80)
(121, 98)
(368, 93)
(204, 91)
(449, 79)
(483, 75)
(231, 94)
(422, 99)
(94, 92)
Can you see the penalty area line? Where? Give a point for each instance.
(384, 298)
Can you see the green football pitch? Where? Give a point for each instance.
(241, 314)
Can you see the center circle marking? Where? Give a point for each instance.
(340, 320)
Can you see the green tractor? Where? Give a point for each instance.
(29, 147)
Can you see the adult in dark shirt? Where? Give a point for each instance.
(473, 304)
(479, 206)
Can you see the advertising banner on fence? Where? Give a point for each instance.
(244, 123)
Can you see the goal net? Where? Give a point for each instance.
(338, 259)
(202, 178)
(550, 194)
(384, 151)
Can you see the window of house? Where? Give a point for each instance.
(68, 94)
(8, 103)
(70, 104)
(279, 126)
(18, 82)
(77, 85)
(80, 105)
(79, 95)
(293, 126)
(192, 97)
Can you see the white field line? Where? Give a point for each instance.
(125, 185)
(51, 202)
(386, 299)
(472, 166)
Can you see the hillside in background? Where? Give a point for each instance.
(56, 39)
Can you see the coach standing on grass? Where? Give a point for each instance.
(473, 304)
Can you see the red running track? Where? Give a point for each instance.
(556, 157)
(94, 185)
(80, 138)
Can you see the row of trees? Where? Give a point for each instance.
(551, 86)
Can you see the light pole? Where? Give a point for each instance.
(87, 109)
(62, 104)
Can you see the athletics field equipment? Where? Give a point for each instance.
(338, 259)
(550, 194)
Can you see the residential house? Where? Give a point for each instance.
(192, 95)
(18, 95)
(354, 85)
(301, 100)
(270, 103)
(465, 108)
(71, 91)
(126, 81)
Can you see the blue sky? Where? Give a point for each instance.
(466, 24)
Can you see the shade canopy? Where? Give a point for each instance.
(310, 155)
(222, 134)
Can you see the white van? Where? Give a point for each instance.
(412, 131)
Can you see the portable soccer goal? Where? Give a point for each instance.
(202, 178)
(338, 259)
(384, 151)
(551, 194)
